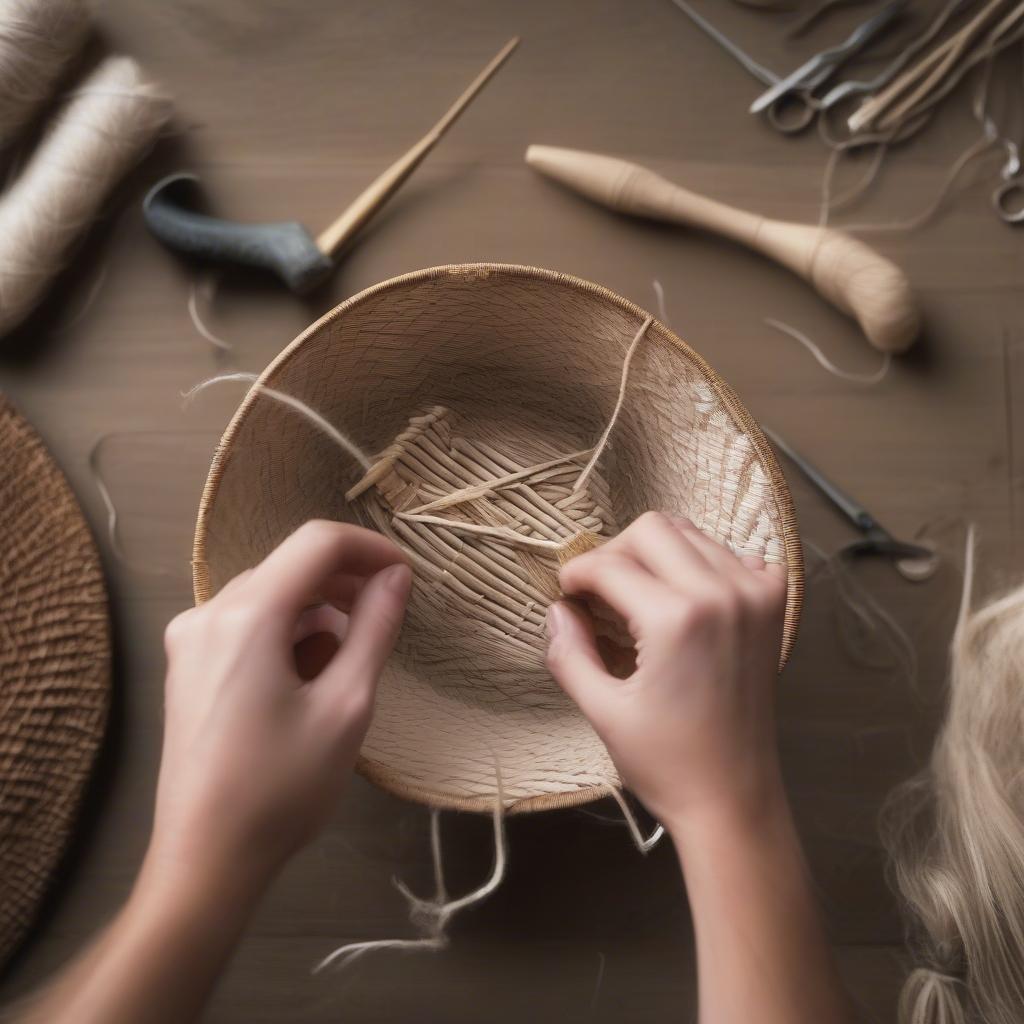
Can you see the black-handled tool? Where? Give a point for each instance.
(287, 248)
(914, 561)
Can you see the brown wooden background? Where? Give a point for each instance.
(287, 109)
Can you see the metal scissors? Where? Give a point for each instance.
(790, 103)
(1008, 198)
(913, 561)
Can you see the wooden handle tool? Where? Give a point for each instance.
(285, 247)
(375, 195)
(849, 274)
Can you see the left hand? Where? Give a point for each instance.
(257, 752)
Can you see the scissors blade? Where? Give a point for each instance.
(824, 63)
(759, 71)
(850, 507)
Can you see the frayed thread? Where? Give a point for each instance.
(322, 424)
(600, 446)
(823, 360)
(432, 916)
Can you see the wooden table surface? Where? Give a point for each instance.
(287, 110)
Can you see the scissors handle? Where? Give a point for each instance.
(793, 111)
(824, 63)
(1008, 200)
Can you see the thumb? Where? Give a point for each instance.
(373, 627)
(573, 659)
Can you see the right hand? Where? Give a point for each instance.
(693, 726)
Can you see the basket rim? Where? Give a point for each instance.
(378, 773)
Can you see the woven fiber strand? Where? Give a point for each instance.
(54, 669)
(527, 365)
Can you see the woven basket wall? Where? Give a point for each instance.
(54, 669)
(531, 360)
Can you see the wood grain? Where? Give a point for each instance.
(289, 111)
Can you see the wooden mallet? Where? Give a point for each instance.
(846, 272)
(286, 247)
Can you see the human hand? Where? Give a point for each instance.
(258, 746)
(693, 726)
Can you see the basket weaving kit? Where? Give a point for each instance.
(495, 421)
(483, 390)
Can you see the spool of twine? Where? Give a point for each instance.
(38, 39)
(102, 131)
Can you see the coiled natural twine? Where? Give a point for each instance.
(106, 125)
(955, 834)
(38, 39)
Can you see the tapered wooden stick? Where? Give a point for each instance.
(331, 239)
(845, 271)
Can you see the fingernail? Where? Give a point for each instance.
(555, 620)
(397, 579)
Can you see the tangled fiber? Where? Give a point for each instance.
(955, 833)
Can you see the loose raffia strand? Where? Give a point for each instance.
(432, 916)
(659, 296)
(300, 407)
(826, 363)
(205, 285)
(600, 446)
(644, 845)
(873, 618)
(882, 141)
(113, 533)
(989, 138)
(919, 220)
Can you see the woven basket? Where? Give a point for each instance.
(457, 375)
(54, 669)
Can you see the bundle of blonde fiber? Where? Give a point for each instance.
(955, 833)
(105, 126)
(38, 39)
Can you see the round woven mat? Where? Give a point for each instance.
(54, 668)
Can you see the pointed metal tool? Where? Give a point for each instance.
(913, 561)
(823, 64)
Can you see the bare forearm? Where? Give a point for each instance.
(157, 962)
(761, 949)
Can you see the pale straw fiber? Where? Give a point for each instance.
(38, 40)
(107, 123)
(483, 390)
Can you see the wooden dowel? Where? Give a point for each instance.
(332, 238)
